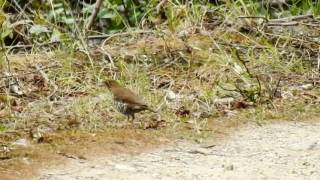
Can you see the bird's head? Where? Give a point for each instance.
(111, 83)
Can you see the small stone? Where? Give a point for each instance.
(223, 101)
(208, 146)
(306, 164)
(313, 146)
(312, 172)
(37, 134)
(20, 142)
(171, 96)
(199, 151)
(230, 167)
(303, 146)
(26, 161)
(124, 167)
(307, 86)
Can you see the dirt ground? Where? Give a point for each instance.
(286, 150)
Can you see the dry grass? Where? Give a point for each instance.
(77, 118)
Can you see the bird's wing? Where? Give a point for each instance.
(127, 96)
(132, 100)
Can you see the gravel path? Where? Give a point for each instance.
(276, 151)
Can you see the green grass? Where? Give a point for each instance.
(3, 128)
(194, 62)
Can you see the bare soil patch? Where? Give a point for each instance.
(61, 147)
(288, 150)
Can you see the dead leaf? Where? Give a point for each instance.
(183, 111)
(240, 105)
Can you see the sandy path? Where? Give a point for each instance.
(276, 151)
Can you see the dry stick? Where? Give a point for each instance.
(47, 80)
(125, 12)
(237, 89)
(318, 60)
(244, 64)
(27, 5)
(15, 27)
(18, 47)
(123, 34)
(293, 23)
(104, 36)
(105, 52)
(81, 38)
(312, 25)
(94, 14)
(242, 46)
(13, 84)
(292, 18)
(99, 36)
(115, 35)
(5, 86)
(292, 38)
(226, 89)
(20, 9)
(248, 71)
(12, 75)
(161, 3)
(242, 92)
(254, 17)
(277, 87)
(7, 60)
(22, 46)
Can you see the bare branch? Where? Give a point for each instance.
(94, 14)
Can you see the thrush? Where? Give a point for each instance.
(126, 101)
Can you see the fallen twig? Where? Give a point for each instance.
(292, 18)
(243, 46)
(123, 34)
(47, 80)
(161, 3)
(254, 17)
(275, 90)
(318, 65)
(292, 38)
(15, 75)
(94, 13)
(28, 46)
(293, 23)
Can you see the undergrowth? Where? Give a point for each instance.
(205, 67)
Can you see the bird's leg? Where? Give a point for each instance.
(131, 122)
(132, 117)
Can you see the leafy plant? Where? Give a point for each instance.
(6, 27)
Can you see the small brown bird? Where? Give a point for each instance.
(126, 101)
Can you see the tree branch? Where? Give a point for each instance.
(94, 14)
